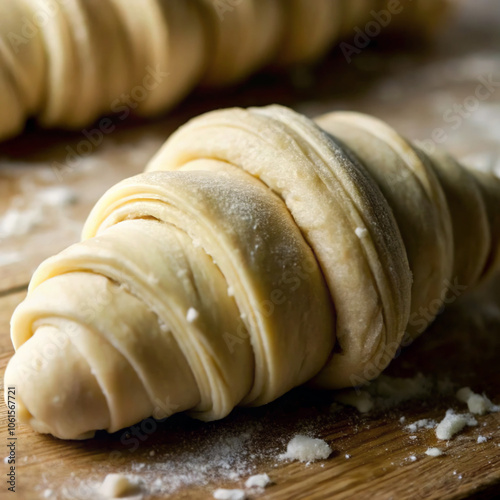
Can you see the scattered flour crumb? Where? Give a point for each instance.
(152, 453)
(181, 273)
(306, 449)
(347, 456)
(258, 481)
(453, 423)
(192, 314)
(6, 460)
(48, 493)
(402, 420)
(482, 439)
(424, 423)
(413, 437)
(434, 452)
(118, 486)
(477, 404)
(361, 232)
(361, 400)
(152, 279)
(412, 458)
(223, 494)
(230, 291)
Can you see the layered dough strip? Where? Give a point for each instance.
(214, 299)
(66, 62)
(259, 252)
(337, 207)
(448, 215)
(411, 187)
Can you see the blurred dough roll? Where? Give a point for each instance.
(67, 62)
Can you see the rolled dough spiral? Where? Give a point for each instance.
(258, 252)
(67, 62)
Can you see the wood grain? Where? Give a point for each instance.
(413, 93)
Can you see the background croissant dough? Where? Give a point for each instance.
(259, 251)
(66, 62)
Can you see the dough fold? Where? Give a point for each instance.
(259, 251)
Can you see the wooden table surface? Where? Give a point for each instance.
(433, 88)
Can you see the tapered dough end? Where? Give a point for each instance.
(66, 400)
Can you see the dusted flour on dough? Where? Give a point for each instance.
(192, 314)
(361, 232)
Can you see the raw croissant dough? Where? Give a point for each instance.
(266, 253)
(66, 62)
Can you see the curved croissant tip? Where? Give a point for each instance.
(57, 396)
(25, 417)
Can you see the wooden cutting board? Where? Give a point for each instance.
(183, 458)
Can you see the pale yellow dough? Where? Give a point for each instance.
(257, 253)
